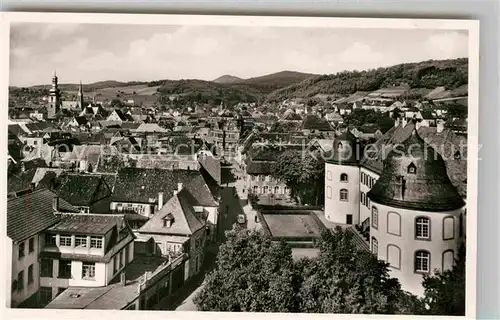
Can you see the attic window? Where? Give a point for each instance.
(412, 168)
(339, 146)
(168, 220)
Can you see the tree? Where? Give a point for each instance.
(116, 104)
(345, 279)
(252, 274)
(300, 171)
(445, 291)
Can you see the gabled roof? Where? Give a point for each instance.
(32, 213)
(138, 185)
(82, 189)
(180, 208)
(313, 122)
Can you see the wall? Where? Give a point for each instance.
(23, 264)
(261, 181)
(143, 209)
(76, 277)
(407, 243)
(163, 241)
(364, 187)
(336, 210)
(110, 267)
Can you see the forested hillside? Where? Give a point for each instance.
(427, 74)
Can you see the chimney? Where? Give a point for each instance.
(439, 126)
(396, 122)
(160, 200)
(55, 204)
(123, 279)
(404, 122)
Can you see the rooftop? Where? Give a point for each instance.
(32, 213)
(87, 223)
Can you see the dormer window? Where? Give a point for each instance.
(168, 220)
(412, 169)
(457, 155)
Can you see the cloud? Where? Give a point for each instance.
(72, 52)
(447, 45)
(360, 53)
(20, 53)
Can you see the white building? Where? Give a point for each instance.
(83, 250)
(27, 217)
(411, 211)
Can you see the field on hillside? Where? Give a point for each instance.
(141, 94)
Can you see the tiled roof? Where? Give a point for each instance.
(138, 185)
(20, 181)
(271, 152)
(87, 223)
(212, 166)
(259, 167)
(32, 213)
(313, 122)
(180, 208)
(82, 189)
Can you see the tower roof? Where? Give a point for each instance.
(345, 150)
(415, 177)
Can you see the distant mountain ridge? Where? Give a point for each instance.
(227, 78)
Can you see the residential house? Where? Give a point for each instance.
(88, 192)
(179, 226)
(314, 125)
(83, 250)
(27, 217)
(142, 192)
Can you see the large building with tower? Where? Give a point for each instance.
(54, 105)
(405, 195)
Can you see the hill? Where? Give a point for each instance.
(227, 79)
(429, 74)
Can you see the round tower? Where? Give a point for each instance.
(342, 181)
(415, 214)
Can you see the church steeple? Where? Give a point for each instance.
(80, 96)
(54, 98)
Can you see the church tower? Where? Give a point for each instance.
(54, 99)
(80, 96)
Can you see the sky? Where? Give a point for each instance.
(96, 52)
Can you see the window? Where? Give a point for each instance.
(252, 178)
(362, 177)
(329, 175)
(31, 245)
(394, 223)
(65, 241)
(329, 192)
(374, 246)
(276, 190)
(448, 260)
(64, 269)
(115, 264)
(344, 195)
(121, 259)
(266, 189)
(374, 217)
(448, 228)
(362, 197)
(394, 256)
(88, 270)
(422, 226)
(422, 261)
(412, 169)
(46, 266)
(21, 250)
(45, 295)
(20, 280)
(30, 274)
(50, 239)
(96, 242)
(80, 241)
(344, 177)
